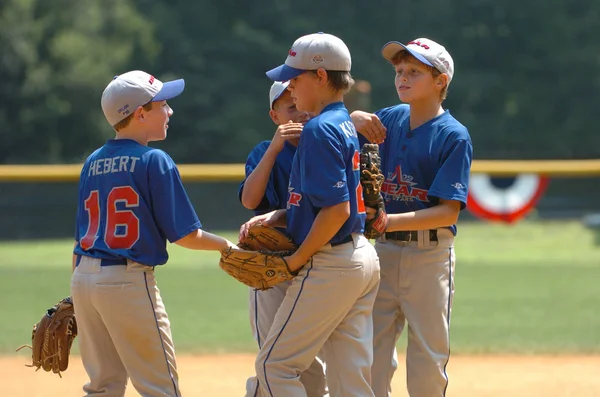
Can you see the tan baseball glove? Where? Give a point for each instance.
(259, 262)
(257, 269)
(52, 338)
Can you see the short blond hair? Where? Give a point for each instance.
(125, 122)
(405, 56)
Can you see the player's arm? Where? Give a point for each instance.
(255, 185)
(277, 218)
(369, 125)
(328, 222)
(173, 211)
(442, 215)
(201, 240)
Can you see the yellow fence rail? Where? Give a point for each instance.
(235, 172)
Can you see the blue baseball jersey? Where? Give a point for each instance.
(325, 172)
(131, 201)
(276, 191)
(424, 165)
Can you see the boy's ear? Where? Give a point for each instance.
(138, 114)
(442, 80)
(274, 116)
(322, 76)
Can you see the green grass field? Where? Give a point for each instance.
(530, 288)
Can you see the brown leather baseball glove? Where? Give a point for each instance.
(52, 338)
(265, 238)
(257, 269)
(259, 261)
(371, 180)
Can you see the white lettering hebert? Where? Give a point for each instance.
(348, 129)
(133, 161)
(123, 163)
(98, 167)
(107, 164)
(112, 164)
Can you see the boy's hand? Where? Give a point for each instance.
(369, 126)
(272, 219)
(286, 132)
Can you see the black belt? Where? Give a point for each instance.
(106, 262)
(345, 240)
(411, 235)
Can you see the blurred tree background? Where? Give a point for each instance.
(526, 82)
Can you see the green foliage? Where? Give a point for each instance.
(57, 56)
(519, 289)
(525, 79)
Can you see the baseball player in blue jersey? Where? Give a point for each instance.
(266, 189)
(426, 158)
(131, 201)
(329, 303)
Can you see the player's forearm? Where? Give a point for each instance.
(256, 183)
(442, 215)
(328, 222)
(278, 219)
(201, 240)
(355, 116)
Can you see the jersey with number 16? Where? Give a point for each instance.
(131, 200)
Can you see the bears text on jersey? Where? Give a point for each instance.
(400, 187)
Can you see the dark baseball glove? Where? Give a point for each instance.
(52, 337)
(371, 180)
(257, 269)
(264, 238)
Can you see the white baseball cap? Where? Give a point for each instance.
(311, 52)
(277, 90)
(427, 51)
(126, 92)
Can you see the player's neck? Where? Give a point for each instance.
(327, 99)
(130, 133)
(423, 111)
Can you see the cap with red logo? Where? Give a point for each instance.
(311, 52)
(427, 51)
(126, 92)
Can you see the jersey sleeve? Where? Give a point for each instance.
(171, 207)
(392, 114)
(323, 169)
(384, 113)
(452, 180)
(270, 199)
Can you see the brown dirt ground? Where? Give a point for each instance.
(224, 376)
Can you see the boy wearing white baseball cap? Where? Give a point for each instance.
(426, 159)
(270, 161)
(265, 189)
(328, 304)
(131, 201)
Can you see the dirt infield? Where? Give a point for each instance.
(224, 376)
